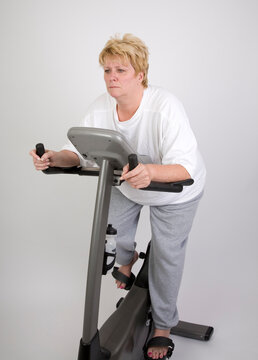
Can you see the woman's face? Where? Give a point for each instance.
(120, 78)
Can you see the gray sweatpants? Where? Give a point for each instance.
(170, 226)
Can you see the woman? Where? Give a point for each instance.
(155, 124)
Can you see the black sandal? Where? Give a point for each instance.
(159, 341)
(128, 281)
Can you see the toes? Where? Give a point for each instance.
(157, 353)
(120, 285)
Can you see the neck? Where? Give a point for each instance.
(127, 106)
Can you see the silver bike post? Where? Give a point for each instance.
(91, 310)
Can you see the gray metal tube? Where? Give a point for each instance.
(91, 310)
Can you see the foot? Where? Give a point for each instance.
(126, 270)
(158, 352)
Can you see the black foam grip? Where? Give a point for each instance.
(133, 161)
(40, 150)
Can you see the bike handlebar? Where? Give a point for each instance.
(176, 186)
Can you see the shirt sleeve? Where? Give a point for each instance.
(69, 146)
(179, 145)
(102, 102)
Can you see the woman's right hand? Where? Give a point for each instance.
(44, 162)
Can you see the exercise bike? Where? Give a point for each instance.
(124, 334)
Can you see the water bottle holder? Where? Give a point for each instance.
(106, 267)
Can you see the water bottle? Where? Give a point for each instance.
(110, 249)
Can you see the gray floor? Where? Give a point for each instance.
(43, 280)
(50, 329)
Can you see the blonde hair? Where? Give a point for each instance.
(131, 49)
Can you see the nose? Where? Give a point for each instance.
(113, 76)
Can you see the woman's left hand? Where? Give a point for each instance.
(139, 177)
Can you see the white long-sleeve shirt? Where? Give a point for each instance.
(159, 129)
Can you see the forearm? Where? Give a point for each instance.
(142, 175)
(64, 158)
(167, 173)
(50, 158)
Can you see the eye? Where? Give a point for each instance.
(120, 70)
(107, 71)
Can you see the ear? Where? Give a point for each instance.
(140, 76)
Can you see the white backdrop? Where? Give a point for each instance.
(205, 52)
